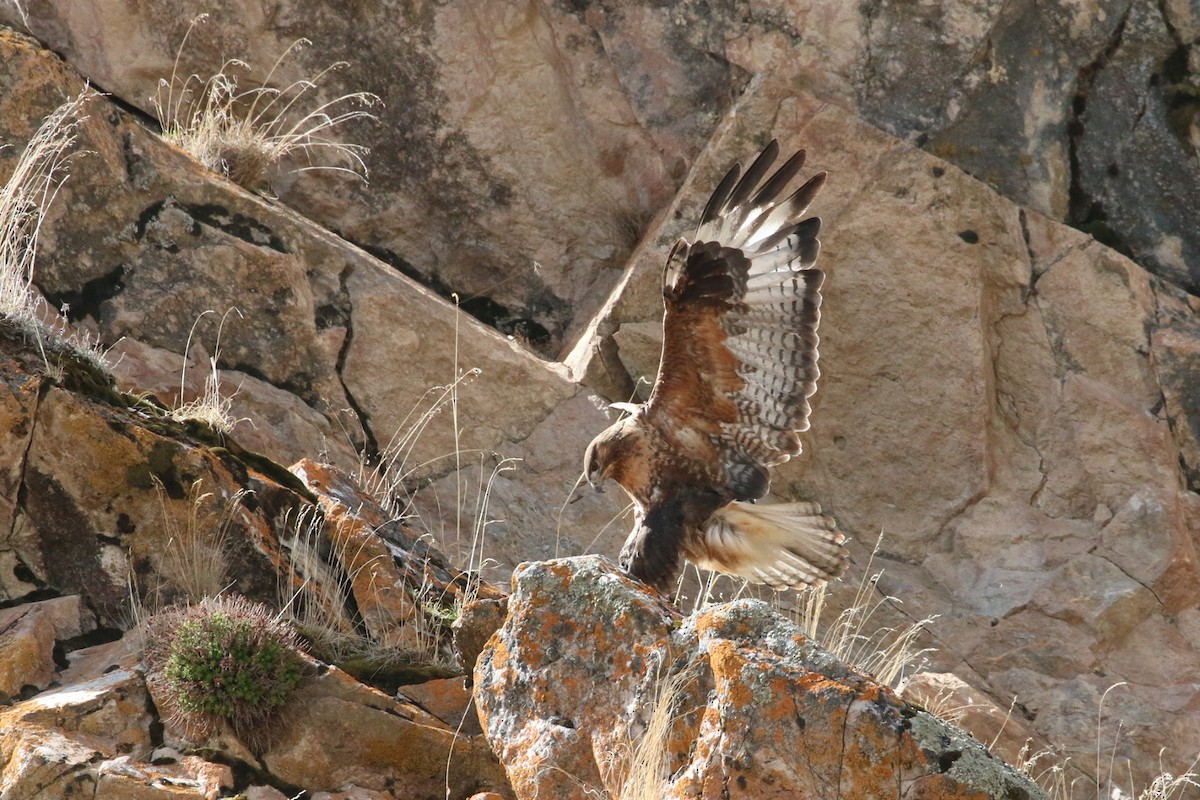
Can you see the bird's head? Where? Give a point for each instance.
(603, 453)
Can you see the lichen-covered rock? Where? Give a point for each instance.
(568, 687)
(108, 493)
(953, 699)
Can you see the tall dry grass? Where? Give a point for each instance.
(25, 199)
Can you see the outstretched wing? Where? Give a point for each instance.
(739, 357)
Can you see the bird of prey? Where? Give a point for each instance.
(739, 362)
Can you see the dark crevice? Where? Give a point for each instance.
(1027, 238)
(36, 596)
(59, 654)
(129, 108)
(102, 635)
(1181, 95)
(86, 301)
(341, 314)
(148, 215)
(511, 322)
(235, 224)
(246, 775)
(947, 759)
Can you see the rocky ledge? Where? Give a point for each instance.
(595, 686)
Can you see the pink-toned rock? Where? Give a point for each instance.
(343, 733)
(124, 778)
(26, 650)
(54, 741)
(1010, 402)
(268, 420)
(27, 636)
(448, 699)
(1004, 398)
(954, 700)
(320, 319)
(760, 711)
(492, 124)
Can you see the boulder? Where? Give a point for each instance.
(79, 737)
(28, 633)
(733, 700)
(956, 701)
(342, 733)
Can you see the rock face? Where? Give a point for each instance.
(96, 731)
(762, 712)
(1003, 397)
(549, 133)
(178, 517)
(328, 347)
(1012, 401)
(102, 494)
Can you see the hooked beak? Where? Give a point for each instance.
(594, 479)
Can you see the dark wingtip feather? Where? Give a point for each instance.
(782, 177)
(802, 198)
(749, 181)
(717, 201)
(804, 231)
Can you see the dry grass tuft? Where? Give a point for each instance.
(212, 407)
(644, 770)
(1064, 781)
(244, 133)
(314, 597)
(888, 654)
(24, 201)
(194, 563)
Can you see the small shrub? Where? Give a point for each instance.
(223, 662)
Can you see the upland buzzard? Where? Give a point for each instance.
(739, 362)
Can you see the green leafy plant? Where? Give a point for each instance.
(243, 133)
(224, 661)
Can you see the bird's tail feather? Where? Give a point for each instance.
(784, 545)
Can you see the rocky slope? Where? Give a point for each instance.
(1011, 401)
(113, 511)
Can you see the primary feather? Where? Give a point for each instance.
(739, 361)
